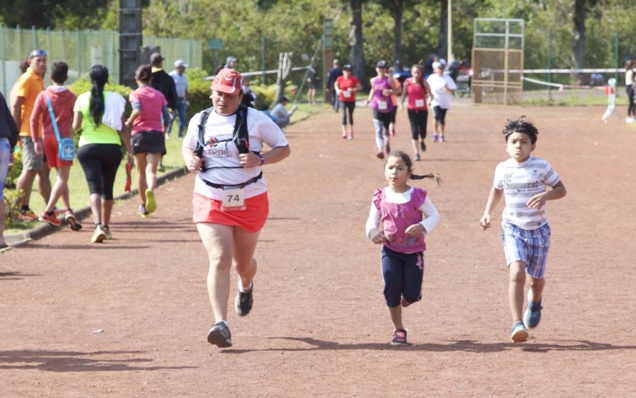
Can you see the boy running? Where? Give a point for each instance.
(526, 233)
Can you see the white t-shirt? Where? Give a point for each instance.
(438, 84)
(261, 130)
(520, 182)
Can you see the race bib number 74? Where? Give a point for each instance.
(233, 199)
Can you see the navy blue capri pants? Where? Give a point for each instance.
(403, 275)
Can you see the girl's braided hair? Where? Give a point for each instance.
(409, 164)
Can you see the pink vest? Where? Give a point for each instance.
(396, 218)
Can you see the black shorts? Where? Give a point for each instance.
(148, 142)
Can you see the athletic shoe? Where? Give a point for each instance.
(532, 316)
(143, 212)
(344, 135)
(350, 137)
(441, 138)
(629, 119)
(51, 219)
(417, 157)
(26, 215)
(72, 221)
(380, 155)
(161, 168)
(99, 235)
(244, 301)
(399, 337)
(388, 148)
(151, 204)
(220, 335)
(519, 332)
(422, 146)
(106, 230)
(434, 137)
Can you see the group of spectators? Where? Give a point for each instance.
(38, 120)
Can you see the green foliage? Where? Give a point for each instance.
(11, 197)
(14, 170)
(69, 14)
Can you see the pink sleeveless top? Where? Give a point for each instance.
(380, 102)
(397, 217)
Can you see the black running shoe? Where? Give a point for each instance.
(220, 335)
(422, 146)
(244, 301)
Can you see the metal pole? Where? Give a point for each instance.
(616, 52)
(450, 32)
(549, 64)
(263, 58)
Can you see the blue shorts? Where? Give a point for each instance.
(402, 274)
(5, 156)
(529, 246)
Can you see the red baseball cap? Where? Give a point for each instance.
(228, 81)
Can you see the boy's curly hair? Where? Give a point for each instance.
(521, 126)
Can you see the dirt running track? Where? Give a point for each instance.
(128, 318)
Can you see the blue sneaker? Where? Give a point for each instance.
(532, 317)
(519, 332)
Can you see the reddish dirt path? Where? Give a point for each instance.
(129, 318)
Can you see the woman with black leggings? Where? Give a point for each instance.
(99, 115)
(346, 87)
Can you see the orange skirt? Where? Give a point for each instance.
(252, 219)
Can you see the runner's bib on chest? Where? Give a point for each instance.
(383, 105)
(346, 94)
(419, 103)
(233, 199)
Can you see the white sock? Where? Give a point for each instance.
(240, 287)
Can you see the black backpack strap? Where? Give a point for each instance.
(201, 140)
(241, 135)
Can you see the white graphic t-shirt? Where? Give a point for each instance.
(220, 155)
(520, 182)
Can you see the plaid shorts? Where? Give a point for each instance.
(529, 246)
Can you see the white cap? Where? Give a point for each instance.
(437, 65)
(179, 63)
(442, 61)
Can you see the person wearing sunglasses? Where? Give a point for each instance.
(23, 95)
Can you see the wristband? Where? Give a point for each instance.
(262, 158)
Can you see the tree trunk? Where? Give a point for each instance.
(356, 50)
(398, 11)
(578, 44)
(443, 30)
(284, 68)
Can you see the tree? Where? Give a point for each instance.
(69, 14)
(356, 48)
(578, 44)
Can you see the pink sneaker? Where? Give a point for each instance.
(399, 337)
(434, 137)
(441, 139)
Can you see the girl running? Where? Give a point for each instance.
(346, 87)
(416, 89)
(147, 136)
(407, 216)
(382, 87)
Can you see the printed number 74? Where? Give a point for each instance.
(233, 198)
